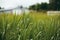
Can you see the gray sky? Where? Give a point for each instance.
(14, 3)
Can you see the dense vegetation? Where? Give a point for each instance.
(39, 7)
(52, 5)
(55, 4)
(29, 27)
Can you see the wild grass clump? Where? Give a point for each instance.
(29, 27)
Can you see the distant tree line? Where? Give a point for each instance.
(0, 7)
(38, 7)
(52, 5)
(55, 4)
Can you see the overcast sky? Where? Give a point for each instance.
(14, 3)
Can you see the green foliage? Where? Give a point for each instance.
(55, 4)
(38, 7)
(29, 27)
(32, 7)
(35, 7)
(44, 6)
(0, 7)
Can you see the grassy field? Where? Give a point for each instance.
(33, 26)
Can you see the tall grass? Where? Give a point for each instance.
(29, 27)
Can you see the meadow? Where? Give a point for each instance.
(32, 26)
